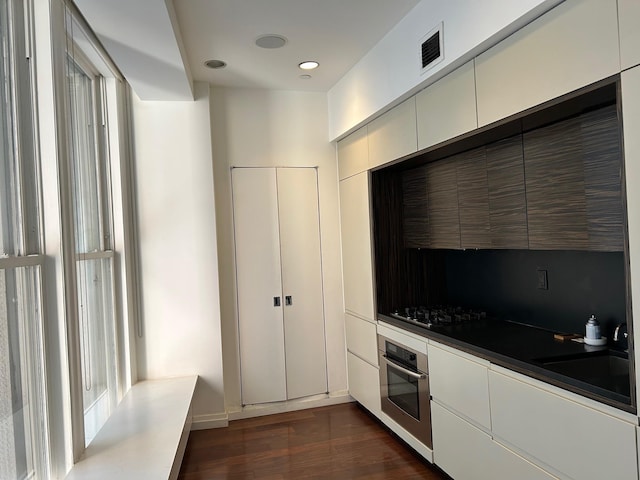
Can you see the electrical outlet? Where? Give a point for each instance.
(543, 282)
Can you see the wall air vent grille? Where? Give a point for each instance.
(431, 50)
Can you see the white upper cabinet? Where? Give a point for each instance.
(357, 265)
(571, 46)
(631, 125)
(353, 154)
(393, 135)
(629, 16)
(447, 108)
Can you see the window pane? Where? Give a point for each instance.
(9, 192)
(21, 415)
(97, 342)
(86, 204)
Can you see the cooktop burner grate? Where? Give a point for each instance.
(438, 315)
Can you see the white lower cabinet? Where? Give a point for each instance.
(466, 452)
(364, 383)
(460, 382)
(459, 448)
(570, 438)
(362, 339)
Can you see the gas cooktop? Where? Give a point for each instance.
(438, 315)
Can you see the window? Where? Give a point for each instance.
(92, 222)
(23, 426)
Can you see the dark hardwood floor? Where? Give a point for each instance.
(337, 442)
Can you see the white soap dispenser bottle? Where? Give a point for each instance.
(593, 335)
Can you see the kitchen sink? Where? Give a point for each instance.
(597, 367)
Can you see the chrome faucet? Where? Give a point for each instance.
(621, 336)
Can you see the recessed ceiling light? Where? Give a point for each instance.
(305, 77)
(271, 41)
(309, 65)
(215, 64)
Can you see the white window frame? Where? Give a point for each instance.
(29, 254)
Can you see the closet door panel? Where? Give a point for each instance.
(262, 355)
(304, 334)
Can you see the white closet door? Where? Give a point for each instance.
(302, 282)
(262, 358)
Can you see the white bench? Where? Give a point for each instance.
(146, 436)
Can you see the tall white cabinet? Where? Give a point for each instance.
(279, 283)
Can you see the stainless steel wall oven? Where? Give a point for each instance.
(404, 388)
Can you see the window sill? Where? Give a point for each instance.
(146, 436)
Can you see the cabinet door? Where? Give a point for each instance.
(542, 61)
(571, 438)
(628, 14)
(361, 338)
(465, 452)
(631, 124)
(304, 332)
(473, 199)
(447, 108)
(507, 202)
(573, 184)
(393, 134)
(364, 383)
(353, 154)
(357, 265)
(257, 241)
(461, 384)
(415, 208)
(460, 449)
(442, 191)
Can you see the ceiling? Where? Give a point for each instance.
(162, 46)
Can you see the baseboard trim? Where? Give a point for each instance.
(221, 420)
(205, 422)
(250, 411)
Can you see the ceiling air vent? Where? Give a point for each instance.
(431, 51)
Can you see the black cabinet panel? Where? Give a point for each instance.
(473, 199)
(572, 173)
(507, 201)
(603, 179)
(442, 191)
(415, 208)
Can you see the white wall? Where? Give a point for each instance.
(178, 254)
(391, 71)
(276, 128)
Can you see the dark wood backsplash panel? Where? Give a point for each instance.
(390, 273)
(404, 276)
(603, 180)
(554, 177)
(507, 201)
(473, 199)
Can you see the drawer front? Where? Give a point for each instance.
(460, 384)
(364, 383)
(568, 437)
(361, 338)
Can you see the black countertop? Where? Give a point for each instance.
(520, 348)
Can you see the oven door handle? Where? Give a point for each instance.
(393, 364)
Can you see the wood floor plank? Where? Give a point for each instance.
(337, 442)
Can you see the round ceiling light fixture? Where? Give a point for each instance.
(271, 41)
(215, 64)
(309, 65)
